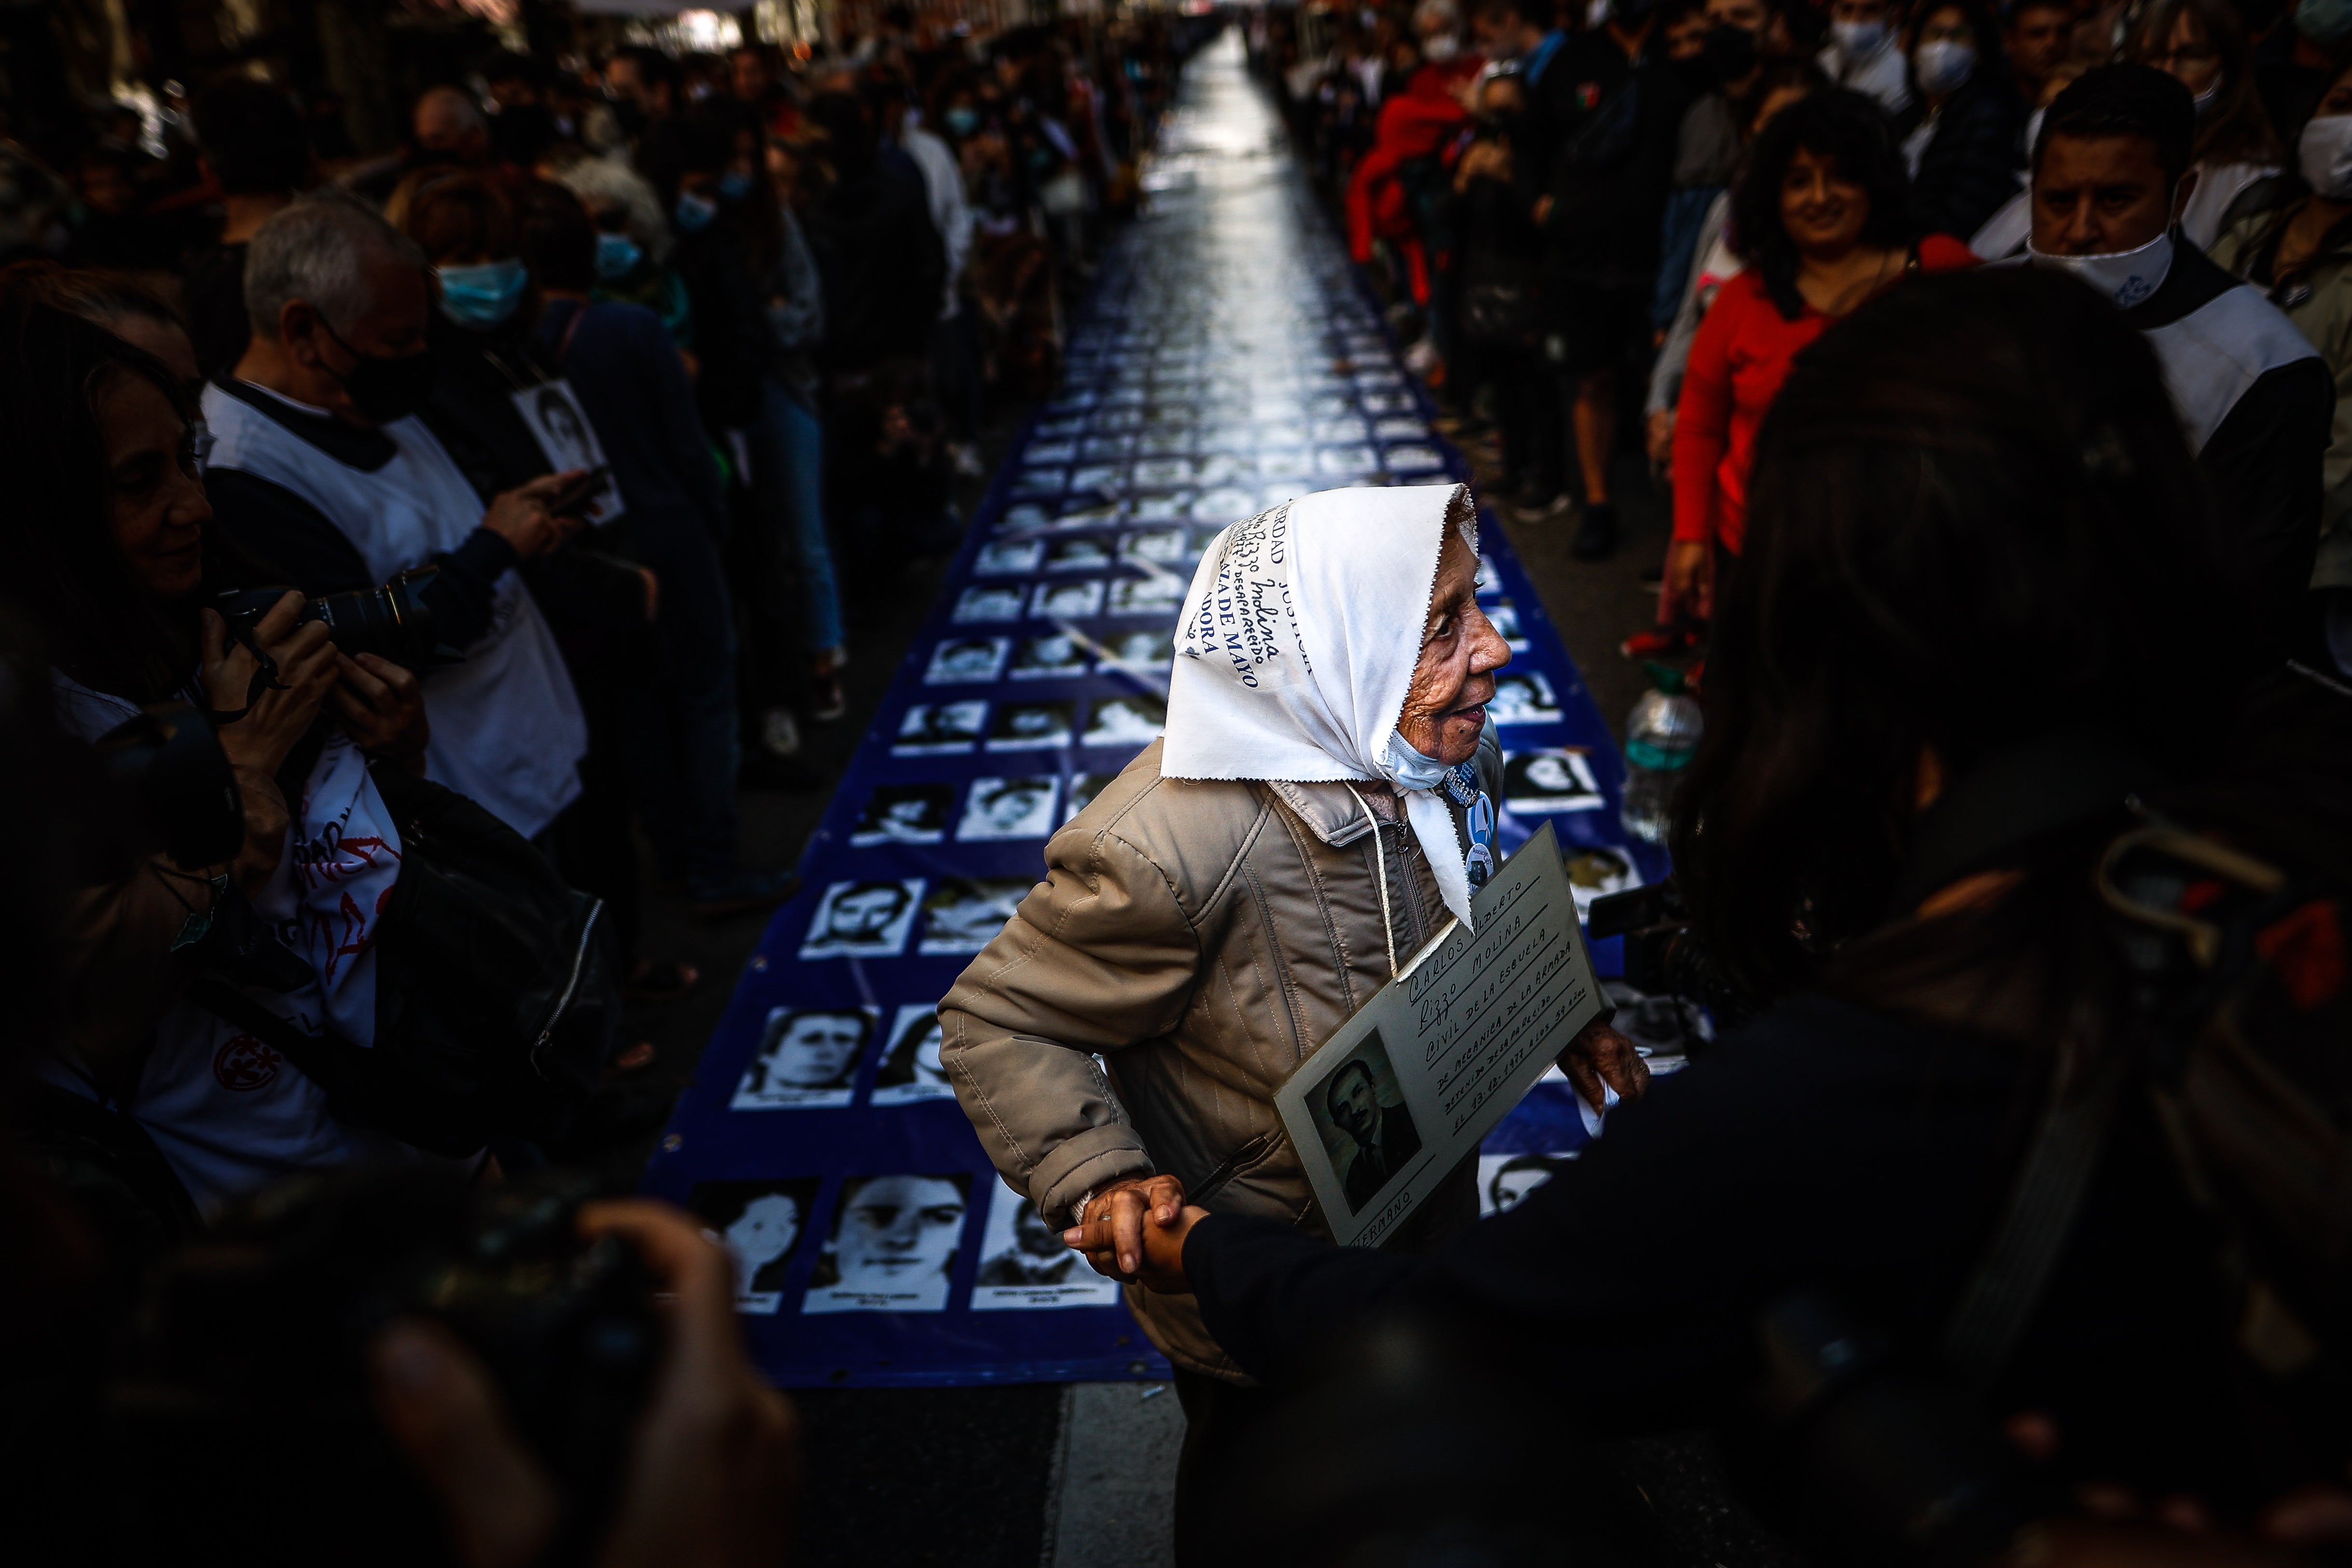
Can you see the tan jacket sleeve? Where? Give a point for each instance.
(1098, 956)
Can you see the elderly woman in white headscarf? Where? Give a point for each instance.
(1314, 814)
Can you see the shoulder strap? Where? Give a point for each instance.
(571, 330)
(321, 1058)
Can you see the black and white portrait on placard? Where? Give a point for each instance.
(956, 660)
(761, 1222)
(862, 919)
(940, 728)
(984, 602)
(1523, 697)
(1015, 807)
(1556, 780)
(963, 914)
(1366, 1127)
(1125, 721)
(904, 814)
(564, 433)
(1505, 1180)
(808, 1058)
(1023, 1265)
(892, 1246)
(1032, 726)
(911, 1070)
(1054, 656)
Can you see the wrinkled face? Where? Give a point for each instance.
(817, 1049)
(159, 509)
(2099, 196)
(1453, 681)
(865, 914)
(765, 1233)
(897, 1231)
(1352, 1103)
(1822, 210)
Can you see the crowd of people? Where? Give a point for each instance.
(1680, 195)
(397, 533)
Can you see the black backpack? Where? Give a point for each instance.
(496, 1004)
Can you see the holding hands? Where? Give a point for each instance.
(1134, 1232)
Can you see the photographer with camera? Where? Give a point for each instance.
(1984, 818)
(321, 467)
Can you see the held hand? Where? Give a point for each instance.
(1121, 1215)
(1600, 1054)
(1162, 1267)
(519, 516)
(1659, 438)
(1686, 590)
(280, 714)
(383, 707)
(653, 593)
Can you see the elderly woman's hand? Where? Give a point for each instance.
(1122, 1215)
(1160, 1263)
(1600, 1054)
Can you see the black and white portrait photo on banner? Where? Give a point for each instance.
(1125, 721)
(1141, 653)
(1504, 615)
(808, 1058)
(940, 728)
(1597, 872)
(1054, 656)
(1015, 807)
(1024, 1266)
(1067, 601)
(762, 1224)
(865, 918)
(1163, 593)
(1523, 697)
(1556, 780)
(1082, 790)
(1009, 557)
(963, 914)
(904, 814)
(892, 1246)
(909, 1069)
(1079, 553)
(553, 417)
(1032, 726)
(1366, 1128)
(1506, 1179)
(958, 661)
(1163, 546)
(985, 603)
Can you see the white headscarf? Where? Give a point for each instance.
(1298, 643)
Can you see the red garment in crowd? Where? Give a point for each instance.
(1737, 361)
(1416, 124)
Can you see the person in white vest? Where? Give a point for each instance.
(319, 468)
(2111, 177)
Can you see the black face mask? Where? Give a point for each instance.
(385, 389)
(1731, 53)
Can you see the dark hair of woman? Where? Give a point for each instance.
(559, 238)
(1849, 131)
(1974, 525)
(2236, 129)
(93, 295)
(98, 623)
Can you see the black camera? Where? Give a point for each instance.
(243, 1406)
(392, 621)
(1664, 955)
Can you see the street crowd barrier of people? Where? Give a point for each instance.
(396, 531)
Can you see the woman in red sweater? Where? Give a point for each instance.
(1822, 218)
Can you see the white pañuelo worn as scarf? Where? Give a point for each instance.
(1297, 645)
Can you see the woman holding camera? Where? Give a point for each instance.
(1982, 629)
(114, 563)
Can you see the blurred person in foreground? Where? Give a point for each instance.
(2112, 177)
(1984, 626)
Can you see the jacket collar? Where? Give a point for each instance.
(1329, 810)
(366, 450)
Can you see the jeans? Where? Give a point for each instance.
(679, 716)
(788, 493)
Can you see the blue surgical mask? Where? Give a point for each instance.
(482, 297)
(693, 213)
(616, 257)
(963, 121)
(734, 186)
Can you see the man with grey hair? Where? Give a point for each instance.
(321, 467)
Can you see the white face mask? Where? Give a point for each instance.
(1858, 39)
(2206, 100)
(1943, 64)
(2325, 152)
(2126, 277)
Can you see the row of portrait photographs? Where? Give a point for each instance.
(1291, 467)
(1067, 653)
(1207, 443)
(1026, 555)
(957, 729)
(993, 809)
(892, 1246)
(871, 918)
(1505, 1180)
(810, 1058)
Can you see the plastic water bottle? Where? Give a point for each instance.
(1660, 737)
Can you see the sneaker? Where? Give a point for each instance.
(739, 892)
(1596, 534)
(780, 732)
(827, 700)
(1530, 509)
